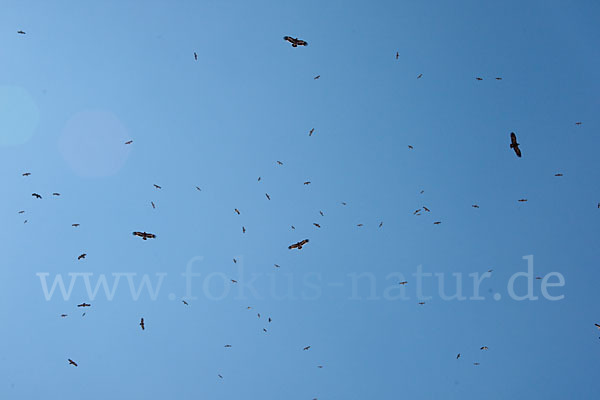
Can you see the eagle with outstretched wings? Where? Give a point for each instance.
(295, 41)
(298, 245)
(144, 235)
(514, 145)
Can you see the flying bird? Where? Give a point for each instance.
(75, 225)
(458, 356)
(437, 222)
(475, 363)
(397, 55)
(84, 305)
(317, 77)
(410, 147)
(279, 163)
(277, 266)
(344, 203)
(359, 225)
(81, 256)
(129, 142)
(25, 221)
(20, 32)
(71, 362)
(63, 315)
(403, 283)
(321, 212)
(268, 197)
(483, 348)
(522, 200)
(307, 183)
(153, 206)
(420, 76)
(55, 194)
(421, 302)
(597, 326)
(227, 345)
(258, 315)
(293, 227)
(185, 302)
(259, 179)
(479, 79)
(237, 211)
(243, 229)
(475, 206)
(37, 196)
(142, 324)
(514, 145)
(233, 281)
(197, 188)
(295, 41)
(21, 212)
(156, 186)
(577, 123)
(234, 261)
(311, 132)
(306, 348)
(416, 211)
(298, 245)
(144, 235)
(26, 173)
(558, 174)
(270, 319)
(317, 225)
(220, 376)
(498, 79)
(381, 224)
(195, 56)
(426, 209)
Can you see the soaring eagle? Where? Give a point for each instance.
(37, 196)
(142, 324)
(514, 145)
(84, 305)
(295, 41)
(144, 235)
(298, 245)
(71, 362)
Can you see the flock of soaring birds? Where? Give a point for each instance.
(295, 42)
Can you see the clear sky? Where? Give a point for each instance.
(87, 76)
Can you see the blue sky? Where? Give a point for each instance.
(88, 76)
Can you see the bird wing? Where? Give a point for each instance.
(517, 151)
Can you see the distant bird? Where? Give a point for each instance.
(264, 330)
(422, 191)
(129, 142)
(522, 200)
(295, 41)
(21, 212)
(293, 227)
(475, 206)
(227, 345)
(483, 348)
(237, 211)
(410, 147)
(243, 229)
(416, 211)
(397, 55)
(233, 281)
(277, 266)
(71, 362)
(344, 203)
(479, 79)
(319, 366)
(55, 194)
(498, 79)
(381, 224)
(421, 303)
(185, 302)
(259, 179)
(426, 209)
(420, 76)
(220, 376)
(81, 256)
(306, 348)
(359, 225)
(577, 123)
(84, 305)
(25, 221)
(270, 319)
(538, 278)
(279, 163)
(268, 197)
(195, 56)
(258, 315)
(82, 315)
(317, 77)
(142, 324)
(37, 196)
(26, 174)
(298, 245)
(317, 225)
(514, 145)
(20, 32)
(144, 235)
(197, 188)
(458, 356)
(307, 183)
(437, 222)
(597, 326)
(311, 132)
(156, 186)
(403, 283)
(75, 225)
(234, 261)
(558, 174)
(475, 363)
(153, 206)
(321, 212)
(63, 315)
